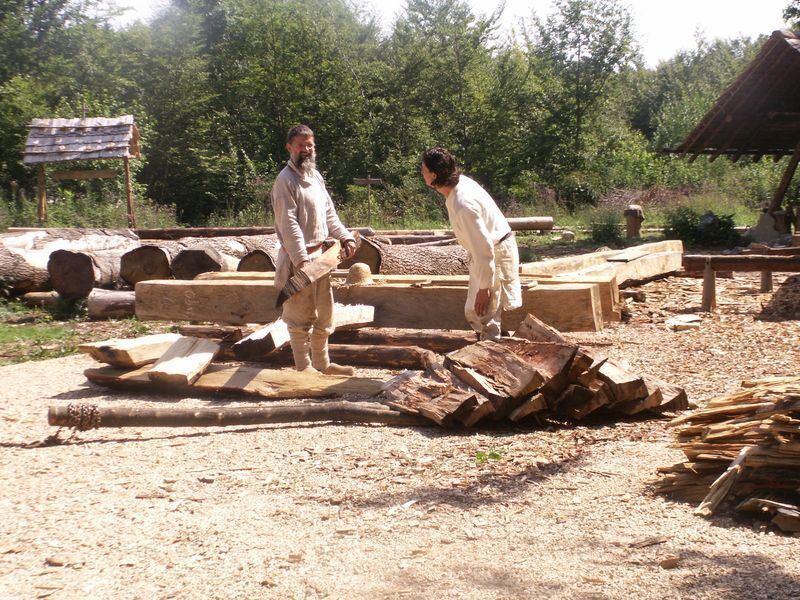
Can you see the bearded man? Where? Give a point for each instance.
(304, 219)
(484, 232)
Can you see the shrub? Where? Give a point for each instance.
(692, 227)
(606, 227)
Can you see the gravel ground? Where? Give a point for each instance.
(315, 511)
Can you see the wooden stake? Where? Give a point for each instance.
(709, 301)
(766, 281)
(129, 193)
(42, 196)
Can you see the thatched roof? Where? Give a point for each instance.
(55, 140)
(759, 113)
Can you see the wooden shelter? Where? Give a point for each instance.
(58, 140)
(759, 113)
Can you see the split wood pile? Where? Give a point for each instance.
(536, 374)
(742, 451)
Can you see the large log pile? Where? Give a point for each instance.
(742, 451)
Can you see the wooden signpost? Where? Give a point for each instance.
(369, 182)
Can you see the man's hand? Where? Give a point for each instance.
(349, 248)
(482, 301)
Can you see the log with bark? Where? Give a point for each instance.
(364, 355)
(89, 416)
(75, 274)
(111, 304)
(410, 260)
(23, 271)
(68, 239)
(436, 341)
(216, 254)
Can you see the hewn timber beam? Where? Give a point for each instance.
(749, 262)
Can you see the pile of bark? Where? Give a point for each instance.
(743, 452)
(536, 374)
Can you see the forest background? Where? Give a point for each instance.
(557, 118)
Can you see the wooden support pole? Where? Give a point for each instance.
(709, 301)
(777, 198)
(129, 193)
(42, 196)
(766, 281)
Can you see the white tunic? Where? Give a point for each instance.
(304, 216)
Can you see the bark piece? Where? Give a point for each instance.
(313, 271)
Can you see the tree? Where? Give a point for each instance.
(791, 14)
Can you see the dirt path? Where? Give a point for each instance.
(313, 511)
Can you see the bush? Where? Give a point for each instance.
(693, 228)
(606, 227)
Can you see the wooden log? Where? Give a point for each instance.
(245, 380)
(257, 260)
(530, 223)
(364, 355)
(190, 262)
(85, 239)
(227, 333)
(89, 416)
(111, 304)
(410, 260)
(436, 341)
(535, 330)
(567, 307)
(41, 299)
(23, 271)
(148, 261)
(127, 353)
(184, 361)
(176, 233)
(742, 262)
(75, 274)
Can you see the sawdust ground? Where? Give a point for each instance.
(314, 511)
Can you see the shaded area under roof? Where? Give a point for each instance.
(56, 140)
(759, 113)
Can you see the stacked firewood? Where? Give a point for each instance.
(743, 451)
(535, 374)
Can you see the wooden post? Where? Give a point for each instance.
(634, 215)
(785, 180)
(129, 193)
(369, 181)
(709, 301)
(42, 196)
(766, 281)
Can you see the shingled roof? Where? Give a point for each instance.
(759, 113)
(55, 140)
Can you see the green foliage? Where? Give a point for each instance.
(606, 227)
(695, 228)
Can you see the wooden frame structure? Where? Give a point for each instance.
(758, 115)
(58, 140)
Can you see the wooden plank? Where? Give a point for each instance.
(244, 380)
(133, 352)
(567, 307)
(98, 174)
(311, 272)
(580, 264)
(742, 262)
(184, 361)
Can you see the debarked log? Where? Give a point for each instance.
(90, 416)
(148, 261)
(111, 304)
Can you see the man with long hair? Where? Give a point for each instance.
(482, 229)
(304, 219)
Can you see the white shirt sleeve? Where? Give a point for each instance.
(479, 243)
(284, 208)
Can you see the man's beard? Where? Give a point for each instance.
(306, 163)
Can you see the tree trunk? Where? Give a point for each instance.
(410, 260)
(257, 260)
(111, 304)
(216, 254)
(70, 239)
(148, 262)
(74, 274)
(24, 271)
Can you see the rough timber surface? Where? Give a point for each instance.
(368, 512)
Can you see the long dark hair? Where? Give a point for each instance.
(441, 163)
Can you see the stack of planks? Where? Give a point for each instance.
(536, 373)
(742, 450)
